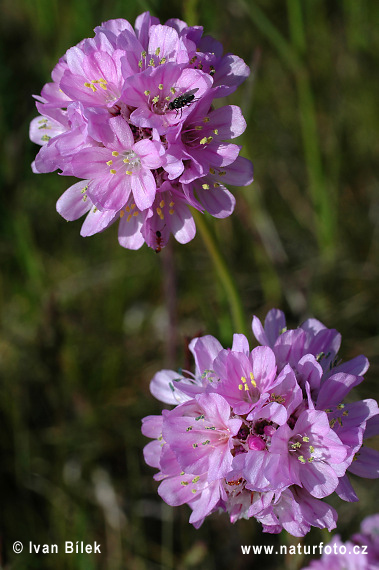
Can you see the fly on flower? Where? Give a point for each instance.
(183, 100)
(119, 115)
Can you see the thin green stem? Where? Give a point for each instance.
(295, 19)
(222, 270)
(291, 55)
(321, 200)
(190, 12)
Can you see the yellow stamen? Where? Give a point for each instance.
(161, 203)
(113, 171)
(115, 153)
(128, 172)
(205, 186)
(109, 162)
(170, 212)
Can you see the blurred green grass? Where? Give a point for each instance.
(84, 323)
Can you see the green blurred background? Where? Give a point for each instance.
(85, 324)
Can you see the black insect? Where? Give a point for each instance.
(183, 100)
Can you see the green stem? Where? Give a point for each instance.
(291, 55)
(190, 12)
(225, 277)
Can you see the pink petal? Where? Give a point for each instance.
(129, 231)
(72, 205)
(97, 221)
(143, 188)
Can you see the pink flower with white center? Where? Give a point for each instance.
(93, 75)
(210, 194)
(119, 168)
(169, 215)
(154, 92)
(65, 134)
(200, 433)
(295, 511)
(312, 453)
(244, 380)
(228, 71)
(201, 140)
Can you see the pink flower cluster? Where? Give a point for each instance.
(361, 552)
(131, 113)
(263, 433)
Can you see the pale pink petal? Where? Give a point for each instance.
(129, 231)
(74, 203)
(97, 221)
(143, 188)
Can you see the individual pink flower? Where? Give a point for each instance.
(119, 167)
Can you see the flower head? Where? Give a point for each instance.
(264, 433)
(361, 552)
(131, 113)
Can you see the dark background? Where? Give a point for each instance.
(84, 323)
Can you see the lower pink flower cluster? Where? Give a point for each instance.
(263, 433)
(361, 552)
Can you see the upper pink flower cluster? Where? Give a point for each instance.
(130, 112)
